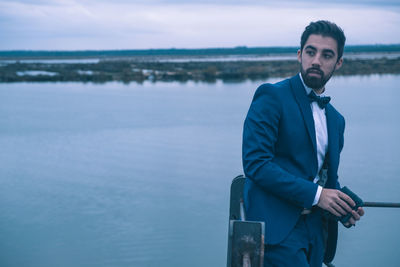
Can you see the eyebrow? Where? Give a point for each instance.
(323, 50)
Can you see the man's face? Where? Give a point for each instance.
(318, 61)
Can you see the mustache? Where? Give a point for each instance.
(315, 70)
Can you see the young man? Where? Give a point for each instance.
(292, 139)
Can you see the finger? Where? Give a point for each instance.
(339, 209)
(334, 212)
(344, 205)
(347, 224)
(360, 211)
(347, 199)
(352, 221)
(355, 215)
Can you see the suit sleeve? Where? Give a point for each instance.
(341, 143)
(260, 134)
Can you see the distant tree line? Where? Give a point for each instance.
(240, 50)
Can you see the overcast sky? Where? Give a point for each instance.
(143, 24)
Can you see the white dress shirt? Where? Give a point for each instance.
(321, 134)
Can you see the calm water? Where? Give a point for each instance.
(139, 175)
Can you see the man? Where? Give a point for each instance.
(291, 148)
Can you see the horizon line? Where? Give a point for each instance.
(192, 49)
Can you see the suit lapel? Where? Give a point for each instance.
(333, 130)
(333, 136)
(302, 100)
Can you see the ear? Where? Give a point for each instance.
(299, 56)
(339, 63)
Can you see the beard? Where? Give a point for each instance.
(312, 81)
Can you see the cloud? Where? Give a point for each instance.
(220, 2)
(89, 24)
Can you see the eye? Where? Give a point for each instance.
(310, 52)
(328, 56)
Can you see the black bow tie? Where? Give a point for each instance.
(321, 101)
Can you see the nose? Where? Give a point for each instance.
(316, 60)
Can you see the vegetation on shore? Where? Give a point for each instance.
(177, 64)
(138, 71)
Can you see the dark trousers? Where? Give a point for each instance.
(303, 247)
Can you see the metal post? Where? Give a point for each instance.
(242, 214)
(382, 204)
(246, 260)
(246, 238)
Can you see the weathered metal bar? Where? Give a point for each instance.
(382, 204)
(242, 213)
(246, 244)
(236, 198)
(246, 260)
(246, 238)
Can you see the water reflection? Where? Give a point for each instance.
(139, 175)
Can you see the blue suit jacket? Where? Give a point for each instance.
(280, 156)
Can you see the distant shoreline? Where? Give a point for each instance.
(239, 50)
(207, 68)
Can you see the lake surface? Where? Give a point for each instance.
(139, 175)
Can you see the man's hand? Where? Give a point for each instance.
(356, 215)
(339, 204)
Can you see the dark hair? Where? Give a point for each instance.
(326, 29)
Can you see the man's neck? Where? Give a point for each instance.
(319, 91)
